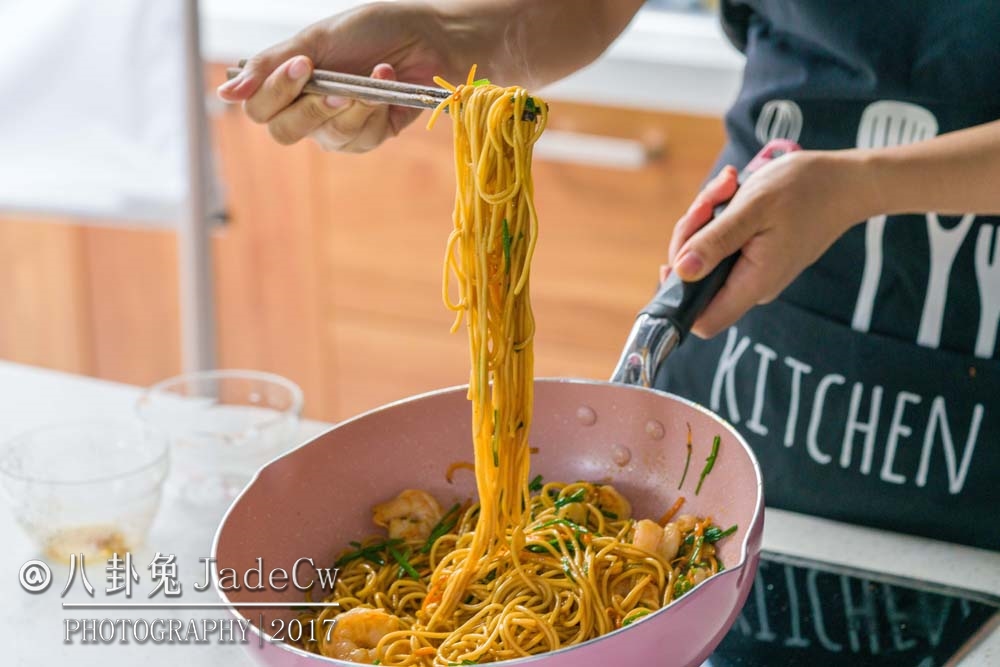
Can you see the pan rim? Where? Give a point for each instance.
(736, 570)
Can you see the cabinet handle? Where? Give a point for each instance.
(595, 150)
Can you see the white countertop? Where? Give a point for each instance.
(33, 624)
(664, 60)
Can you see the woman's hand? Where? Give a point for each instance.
(782, 219)
(526, 42)
(385, 40)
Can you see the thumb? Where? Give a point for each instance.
(711, 244)
(258, 68)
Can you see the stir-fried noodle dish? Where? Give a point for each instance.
(534, 565)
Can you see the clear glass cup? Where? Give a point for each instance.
(88, 486)
(223, 426)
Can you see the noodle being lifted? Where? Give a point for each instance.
(531, 567)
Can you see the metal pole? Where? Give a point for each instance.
(197, 296)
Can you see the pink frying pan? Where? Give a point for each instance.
(312, 501)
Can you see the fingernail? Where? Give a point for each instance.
(689, 265)
(334, 102)
(298, 69)
(229, 85)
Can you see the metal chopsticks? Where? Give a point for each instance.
(366, 88)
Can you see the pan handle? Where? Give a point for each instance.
(667, 319)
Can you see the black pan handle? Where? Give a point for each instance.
(681, 303)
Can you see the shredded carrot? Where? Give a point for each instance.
(674, 509)
(435, 593)
(426, 650)
(458, 465)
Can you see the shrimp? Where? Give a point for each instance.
(356, 634)
(409, 516)
(612, 502)
(661, 541)
(686, 522)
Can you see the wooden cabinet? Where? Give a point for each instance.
(329, 271)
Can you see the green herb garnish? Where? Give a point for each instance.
(687, 461)
(480, 82)
(709, 463)
(563, 522)
(403, 559)
(442, 527)
(634, 616)
(577, 496)
(566, 569)
(496, 449)
(506, 246)
(712, 534)
(535, 485)
(554, 543)
(370, 552)
(696, 552)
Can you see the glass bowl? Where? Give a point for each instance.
(223, 425)
(87, 486)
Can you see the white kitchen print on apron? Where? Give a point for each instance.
(988, 278)
(883, 124)
(779, 119)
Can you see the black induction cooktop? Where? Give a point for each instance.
(811, 614)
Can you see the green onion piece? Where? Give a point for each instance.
(506, 246)
(634, 616)
(709, 463)
(563, 522)
(714, 533)
(404, 563)
(535, 485)
(442, 527)
(609, 515)
(687, 461)
(696, 552)
(480, 82)
(566, 569)
(681, 587)
(541, 549)
(369, 553)
(496, 436)
(576, 497)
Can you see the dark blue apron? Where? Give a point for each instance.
(870, 390)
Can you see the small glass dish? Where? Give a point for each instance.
(88, 486)
(223, 425)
